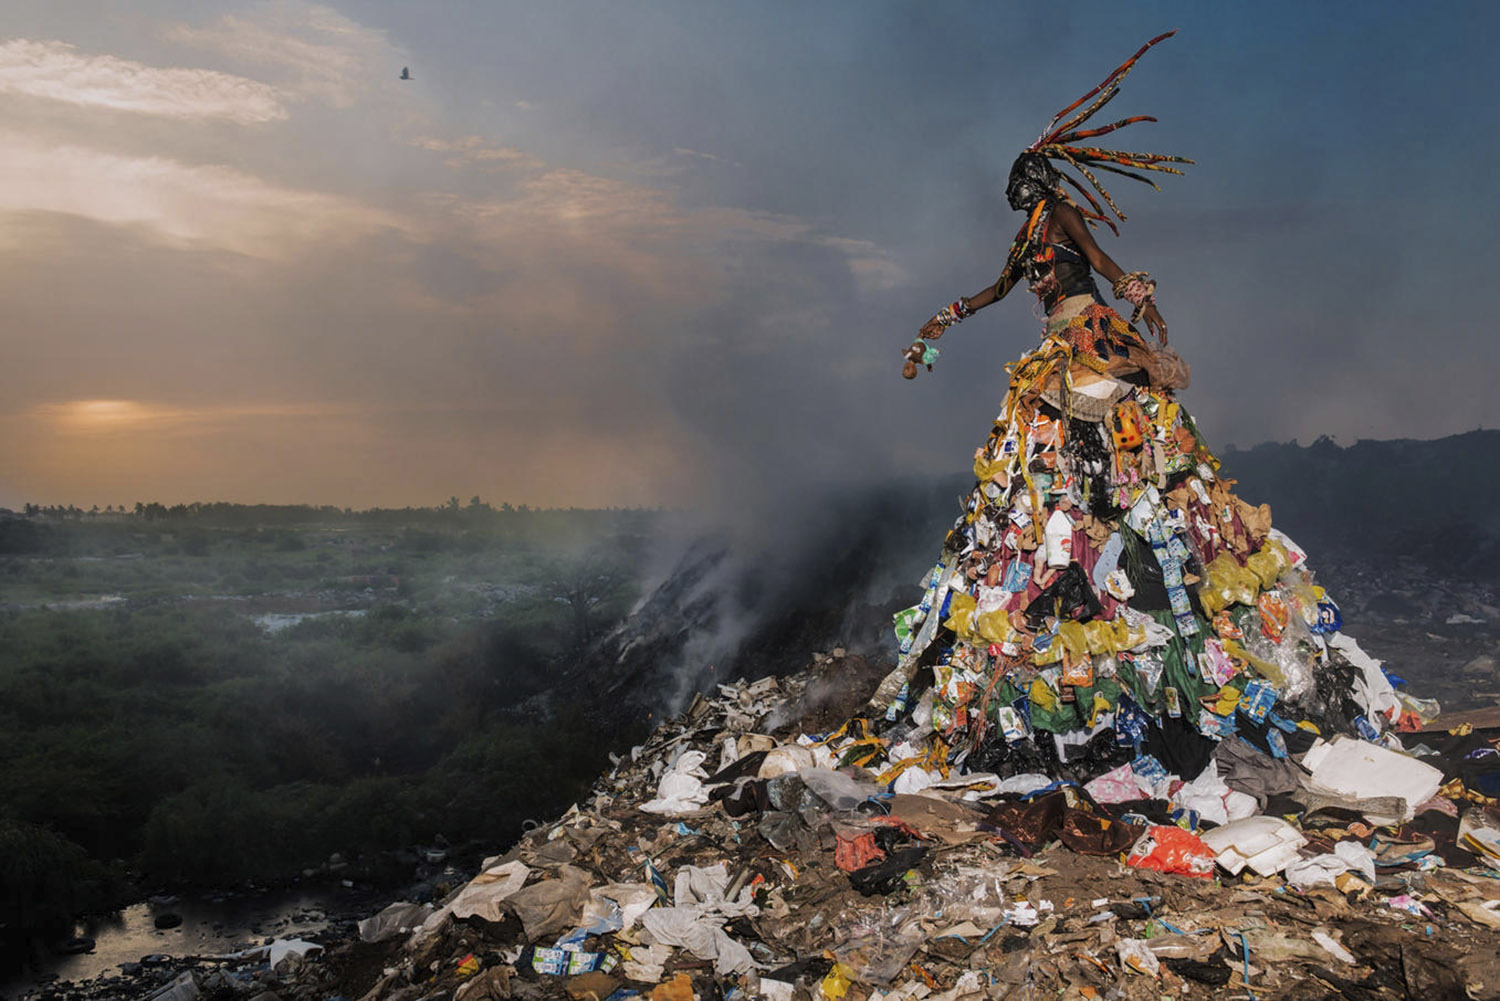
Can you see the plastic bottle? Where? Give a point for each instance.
(1059, 540)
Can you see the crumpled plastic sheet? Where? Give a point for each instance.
(552, 905)
(620, 904)
(1214, 801)
(841, 791)
(485, 892)
(1373, 689)
(701, 933)
(402, 916)
(1171, 849)
(681, 790)
(696, 922)
(877, 944)
(646, 963)
(1346, 856)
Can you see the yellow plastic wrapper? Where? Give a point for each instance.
(1267, 669)
(1225, 582)
(1269, 563)
(1101, 706)
(1229, 697)
(994, 627)
(961, 608)
(836, 984)
(1109, 638)
(1042, 695)
(1073, 639)
(986, 469)
(1101, 637)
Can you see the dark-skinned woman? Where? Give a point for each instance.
(1103, 575)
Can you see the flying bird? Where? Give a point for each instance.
(405, 73)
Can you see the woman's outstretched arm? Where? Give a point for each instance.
(933, 328)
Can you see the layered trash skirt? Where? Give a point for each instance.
(1105, 588)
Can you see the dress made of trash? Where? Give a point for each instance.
(1105, 595)
(1104, 576)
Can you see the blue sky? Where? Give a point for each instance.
(606, 253)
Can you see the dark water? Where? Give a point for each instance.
(210, 926)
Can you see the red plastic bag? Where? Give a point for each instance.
(1171, 849)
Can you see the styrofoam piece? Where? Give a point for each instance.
(1265, 844)
(785, 759)
(1358, 769)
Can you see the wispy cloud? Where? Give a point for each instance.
(58, 71)
(699, 155)
(206, 205)
(477, 151)
(321, 53)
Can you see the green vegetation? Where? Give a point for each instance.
(207, 694)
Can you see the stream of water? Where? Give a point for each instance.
(210, 926)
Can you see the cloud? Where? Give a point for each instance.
(472, 151)
(59, 72)
(684, 151)
(96, 418)
(320, 53)
(206, 205)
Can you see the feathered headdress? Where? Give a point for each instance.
(1059, 142)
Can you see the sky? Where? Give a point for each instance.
(668, 253)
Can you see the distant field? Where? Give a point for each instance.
(236, 693)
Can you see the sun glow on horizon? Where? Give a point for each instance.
(101, 416)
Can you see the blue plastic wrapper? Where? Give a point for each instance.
(1282, 723)
(1022, 706)
(1185, 819)
(659, 883)
(1257, 701)
(1277, 743)
(1330, 619)
(900, 703)
(1148, 768)
(1215, 727)
(1016, 577)
(570, 963)
(1131, 724)
(1366, 728)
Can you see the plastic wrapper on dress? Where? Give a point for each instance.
(1103, 574)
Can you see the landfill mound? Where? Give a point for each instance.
(751, 848)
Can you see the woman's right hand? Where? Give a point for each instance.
(931, 330)
(1155, 323)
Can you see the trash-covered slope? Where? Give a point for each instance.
(745, 851)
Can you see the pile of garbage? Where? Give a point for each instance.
(758, 846)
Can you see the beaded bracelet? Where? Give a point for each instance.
(953, 312)
(1137, 288)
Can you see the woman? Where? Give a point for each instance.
(1102, 574)
(1069, 249)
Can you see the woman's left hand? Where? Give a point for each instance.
(1155, 323)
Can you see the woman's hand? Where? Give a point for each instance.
(932, 330)
(1155, 323)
